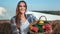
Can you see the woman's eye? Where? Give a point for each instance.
(22, 6)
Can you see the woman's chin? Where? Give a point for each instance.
(22, 12)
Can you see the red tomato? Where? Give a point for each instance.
(35, 29)
(48, 26)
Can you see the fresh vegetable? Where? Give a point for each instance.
(41, 22)
(34, 28)
(46, 27)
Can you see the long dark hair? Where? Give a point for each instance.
(17, 13)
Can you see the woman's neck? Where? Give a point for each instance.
(22, 15)
(23, 18)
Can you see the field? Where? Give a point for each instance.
(5, 27)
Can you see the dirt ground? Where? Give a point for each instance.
(6, 29)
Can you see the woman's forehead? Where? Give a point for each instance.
(22, 3)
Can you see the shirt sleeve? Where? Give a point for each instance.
(34, 18)
(13, 26)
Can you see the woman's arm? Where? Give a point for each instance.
(13, 26)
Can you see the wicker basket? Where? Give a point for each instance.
(31, 32)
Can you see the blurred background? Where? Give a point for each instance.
(48, 8)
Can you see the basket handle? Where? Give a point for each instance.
(43, 16)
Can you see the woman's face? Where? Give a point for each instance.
(22, 7)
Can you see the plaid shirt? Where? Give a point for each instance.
(29, 17)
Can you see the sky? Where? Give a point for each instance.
(10, 6)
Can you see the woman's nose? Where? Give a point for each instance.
(22, 7)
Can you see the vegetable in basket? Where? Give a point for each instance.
(34, 28)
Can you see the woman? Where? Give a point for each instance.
(21, 21)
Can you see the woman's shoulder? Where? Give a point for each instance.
(13, 18)
(29, 15)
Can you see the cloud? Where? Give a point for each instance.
(2, 11)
